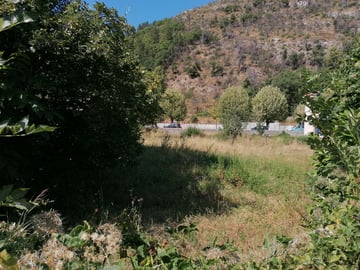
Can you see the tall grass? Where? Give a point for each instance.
(198, 198)
(245, 191)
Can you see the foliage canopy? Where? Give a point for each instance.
(73, 67)
(291, 83)
(269, 105)
(159, 43)
(336, 212)
(234, 109)
(173, 105)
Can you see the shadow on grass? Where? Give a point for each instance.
(171, 184)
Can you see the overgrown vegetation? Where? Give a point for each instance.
(71, 124)
(70, 68)
(195, 202)
(335, 214)
(191, 131)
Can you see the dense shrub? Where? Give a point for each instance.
(74, 69)
(191, 131)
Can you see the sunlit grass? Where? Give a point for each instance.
(203, 196)
(255, 188)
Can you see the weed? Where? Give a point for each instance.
(285, 137)
(191, 131)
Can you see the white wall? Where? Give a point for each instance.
(307, 127)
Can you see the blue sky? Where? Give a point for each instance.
(139, 11)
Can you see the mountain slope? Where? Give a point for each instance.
(230, 42)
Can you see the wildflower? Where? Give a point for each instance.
(55, 254)
(85, 236)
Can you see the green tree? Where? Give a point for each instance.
(291, 83)
(83, 77)
(173, 105)
(269, 105)
(234, 110)
(21, 113)
(335, 224)
(333, 58)
(158, 43)
(154, 81)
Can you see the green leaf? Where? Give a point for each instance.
(22, 128)
(19, 193)
(335, 258)
(161, 252)
(18, 17)
(5, 192)
(7, 261)
(79, 229)
(140, 251)
(4, 124)
(74, 238)
(41, 128)
(14, 198)
(20, 204)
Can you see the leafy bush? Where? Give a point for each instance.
(285, 137)
(203, 113)
(337, 209)
(231, 8)
(191, 131)
(194, 70)
(216, 69)
(302, 139)
(93, 91)
(194, 119)
(249, 17)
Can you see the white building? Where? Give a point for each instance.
(308, 128)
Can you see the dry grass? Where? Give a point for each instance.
(249, 226)
(257, 216)
(245, 146)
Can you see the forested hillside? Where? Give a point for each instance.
(250, 42)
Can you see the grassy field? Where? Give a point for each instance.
(239, 195)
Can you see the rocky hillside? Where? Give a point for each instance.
(232, 42)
